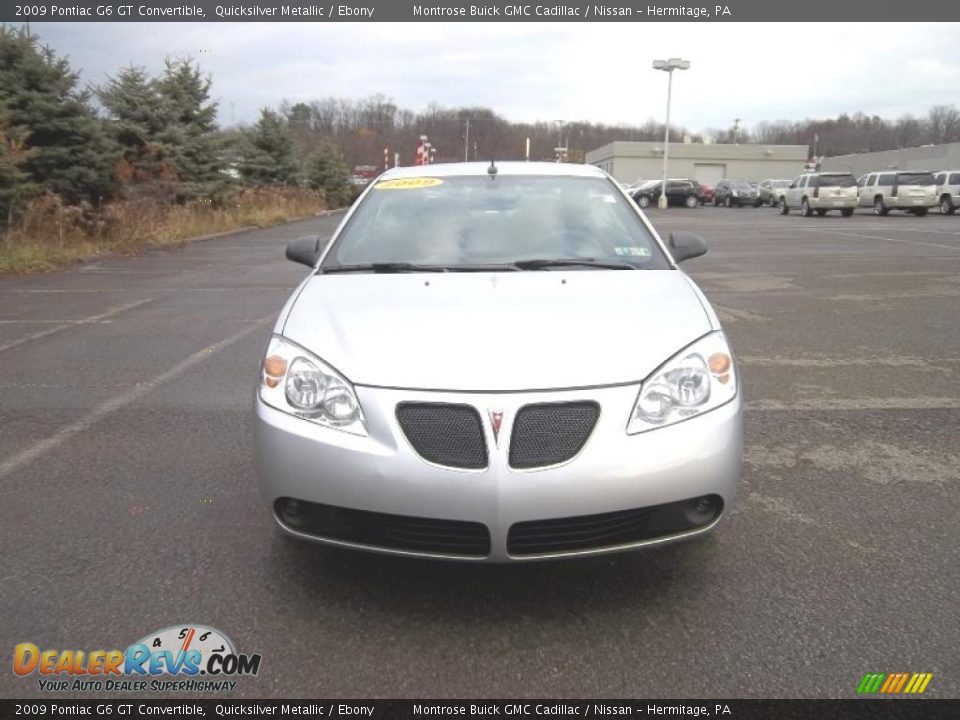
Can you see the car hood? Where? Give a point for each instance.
(501, 331)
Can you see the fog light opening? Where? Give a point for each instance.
(290, 511)
(704, 509)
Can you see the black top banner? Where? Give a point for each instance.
(480, 11)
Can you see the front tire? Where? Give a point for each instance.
(692, 202)
(784, 210)
(805, 210)
(644, 202)
(728, 202)
(878, 207)
(946, 206)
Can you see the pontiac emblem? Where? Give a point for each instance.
(496, 420)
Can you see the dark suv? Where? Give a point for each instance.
(735, 192)
(679, 192)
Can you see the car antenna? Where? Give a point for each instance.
(492, 170)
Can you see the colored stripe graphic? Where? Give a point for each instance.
(870, 683)
(894, 683)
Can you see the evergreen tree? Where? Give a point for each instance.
(68, 151)
(139, 119)
(267, 154)
(167, 127)
(192, 132)
(326, 171)
(13, 180)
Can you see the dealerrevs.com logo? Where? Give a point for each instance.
(185, 658)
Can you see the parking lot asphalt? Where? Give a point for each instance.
(129, 501)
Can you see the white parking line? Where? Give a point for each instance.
(67, 324)
(108, 407)
(899, 228)
(54, 322)
(68, 291)
(867, 403)
(888, 239)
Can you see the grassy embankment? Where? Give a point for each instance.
(49, 235)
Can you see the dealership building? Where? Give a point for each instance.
(629, 162)
(926, 157)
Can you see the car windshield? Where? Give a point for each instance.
(919, 178)
(741, 185)
(481, 221)
(837, 181)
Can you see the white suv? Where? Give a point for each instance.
(948, 190)
(820, 193)
(913, 191)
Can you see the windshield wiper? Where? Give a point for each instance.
(405, 267)
(382, 267)
(540, 263)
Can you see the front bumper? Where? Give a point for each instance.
(382, 473)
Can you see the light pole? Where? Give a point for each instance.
(668, 66)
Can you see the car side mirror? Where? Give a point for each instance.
(304, 250)
(685, 245)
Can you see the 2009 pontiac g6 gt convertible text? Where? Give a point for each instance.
(497, 363)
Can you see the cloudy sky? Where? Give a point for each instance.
(549, 71)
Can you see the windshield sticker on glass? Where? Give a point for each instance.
(408, 183)
(632, 250)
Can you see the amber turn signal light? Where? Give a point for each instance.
(720, 366)
(274, 368)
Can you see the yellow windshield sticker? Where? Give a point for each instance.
(408, 183)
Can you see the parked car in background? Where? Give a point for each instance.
(820, 193)
(679, 193)
(948, 190)
(913, 191)
(705, 193)
(769, 191)
(737, 193)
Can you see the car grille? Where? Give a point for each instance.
(382, 530)
(445, 433)
(608, 530)
(551, 433)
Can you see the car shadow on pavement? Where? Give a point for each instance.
(459, 592)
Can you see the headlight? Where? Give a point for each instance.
(298, 382)
(698, 379)
(735, 193)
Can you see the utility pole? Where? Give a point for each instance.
(466, 143)
(736, 131)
